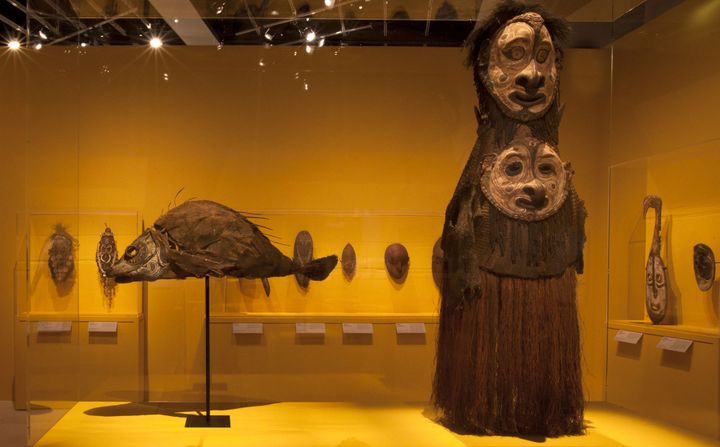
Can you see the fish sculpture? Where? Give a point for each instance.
(655, 271)
(204, 238)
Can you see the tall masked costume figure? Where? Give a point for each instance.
(508, 357)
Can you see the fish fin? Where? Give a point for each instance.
(266, 286)
(319, 269)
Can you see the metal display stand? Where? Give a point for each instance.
(207, 420)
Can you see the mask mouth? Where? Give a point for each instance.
(527, 99)
(532, 204)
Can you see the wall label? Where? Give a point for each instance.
(106, 327)
(247, 328)
(410, 328)
(309, 328)
(628, 337)
(53, 326)
(674, 344)
(357, 328)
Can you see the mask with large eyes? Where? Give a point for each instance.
(656, 291)
(521, 73)
(527, 180)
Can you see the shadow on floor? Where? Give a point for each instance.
(179, 410)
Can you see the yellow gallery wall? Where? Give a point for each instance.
(13, 118)
(359, 145)
(666, 141)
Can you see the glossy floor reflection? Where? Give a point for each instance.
(330, 424)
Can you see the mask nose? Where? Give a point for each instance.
(536, 192)
(531, 79)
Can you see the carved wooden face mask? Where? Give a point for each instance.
(527, 180)
(303, 254)
(397, 262)
(521, 73)
(348, 261)
(437, 263)
(704, 266)
(61, 261)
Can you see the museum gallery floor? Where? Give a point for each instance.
(328, 424)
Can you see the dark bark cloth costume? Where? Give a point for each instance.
(508, 357)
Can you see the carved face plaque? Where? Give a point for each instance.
(60, 256)
(527, 180)
(521, 73)
(348, 261)
(704, 266)
(303, 254)
(397, 262)
(105, 256)
(437, 263)
(656, 292)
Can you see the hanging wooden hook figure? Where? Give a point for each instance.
(655, 272)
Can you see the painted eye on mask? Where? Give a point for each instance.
(131, 252)
(542, 55)
(513, 169)
(515, 52)
(546, 169)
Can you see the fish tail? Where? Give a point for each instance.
(319, 269)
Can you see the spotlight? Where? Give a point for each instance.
(309, 49)
(321, 42)
(83, 44)
(43, 36)
(310, 36)
(329, 3)
(14, 45)
(268, 35)
(38, 46)
(155, 42)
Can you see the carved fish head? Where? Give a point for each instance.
(143, 259)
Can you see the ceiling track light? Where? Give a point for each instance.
(156, 42)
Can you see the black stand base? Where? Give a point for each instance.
(207, 420)
(200, 420)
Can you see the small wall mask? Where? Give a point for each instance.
(655, 272)
(105, 256)
(527, 180)
(303, 254)
(704, 266)
(437, 263)
(61, 260)
(348, 261)
(397, 262)
(521, 73)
